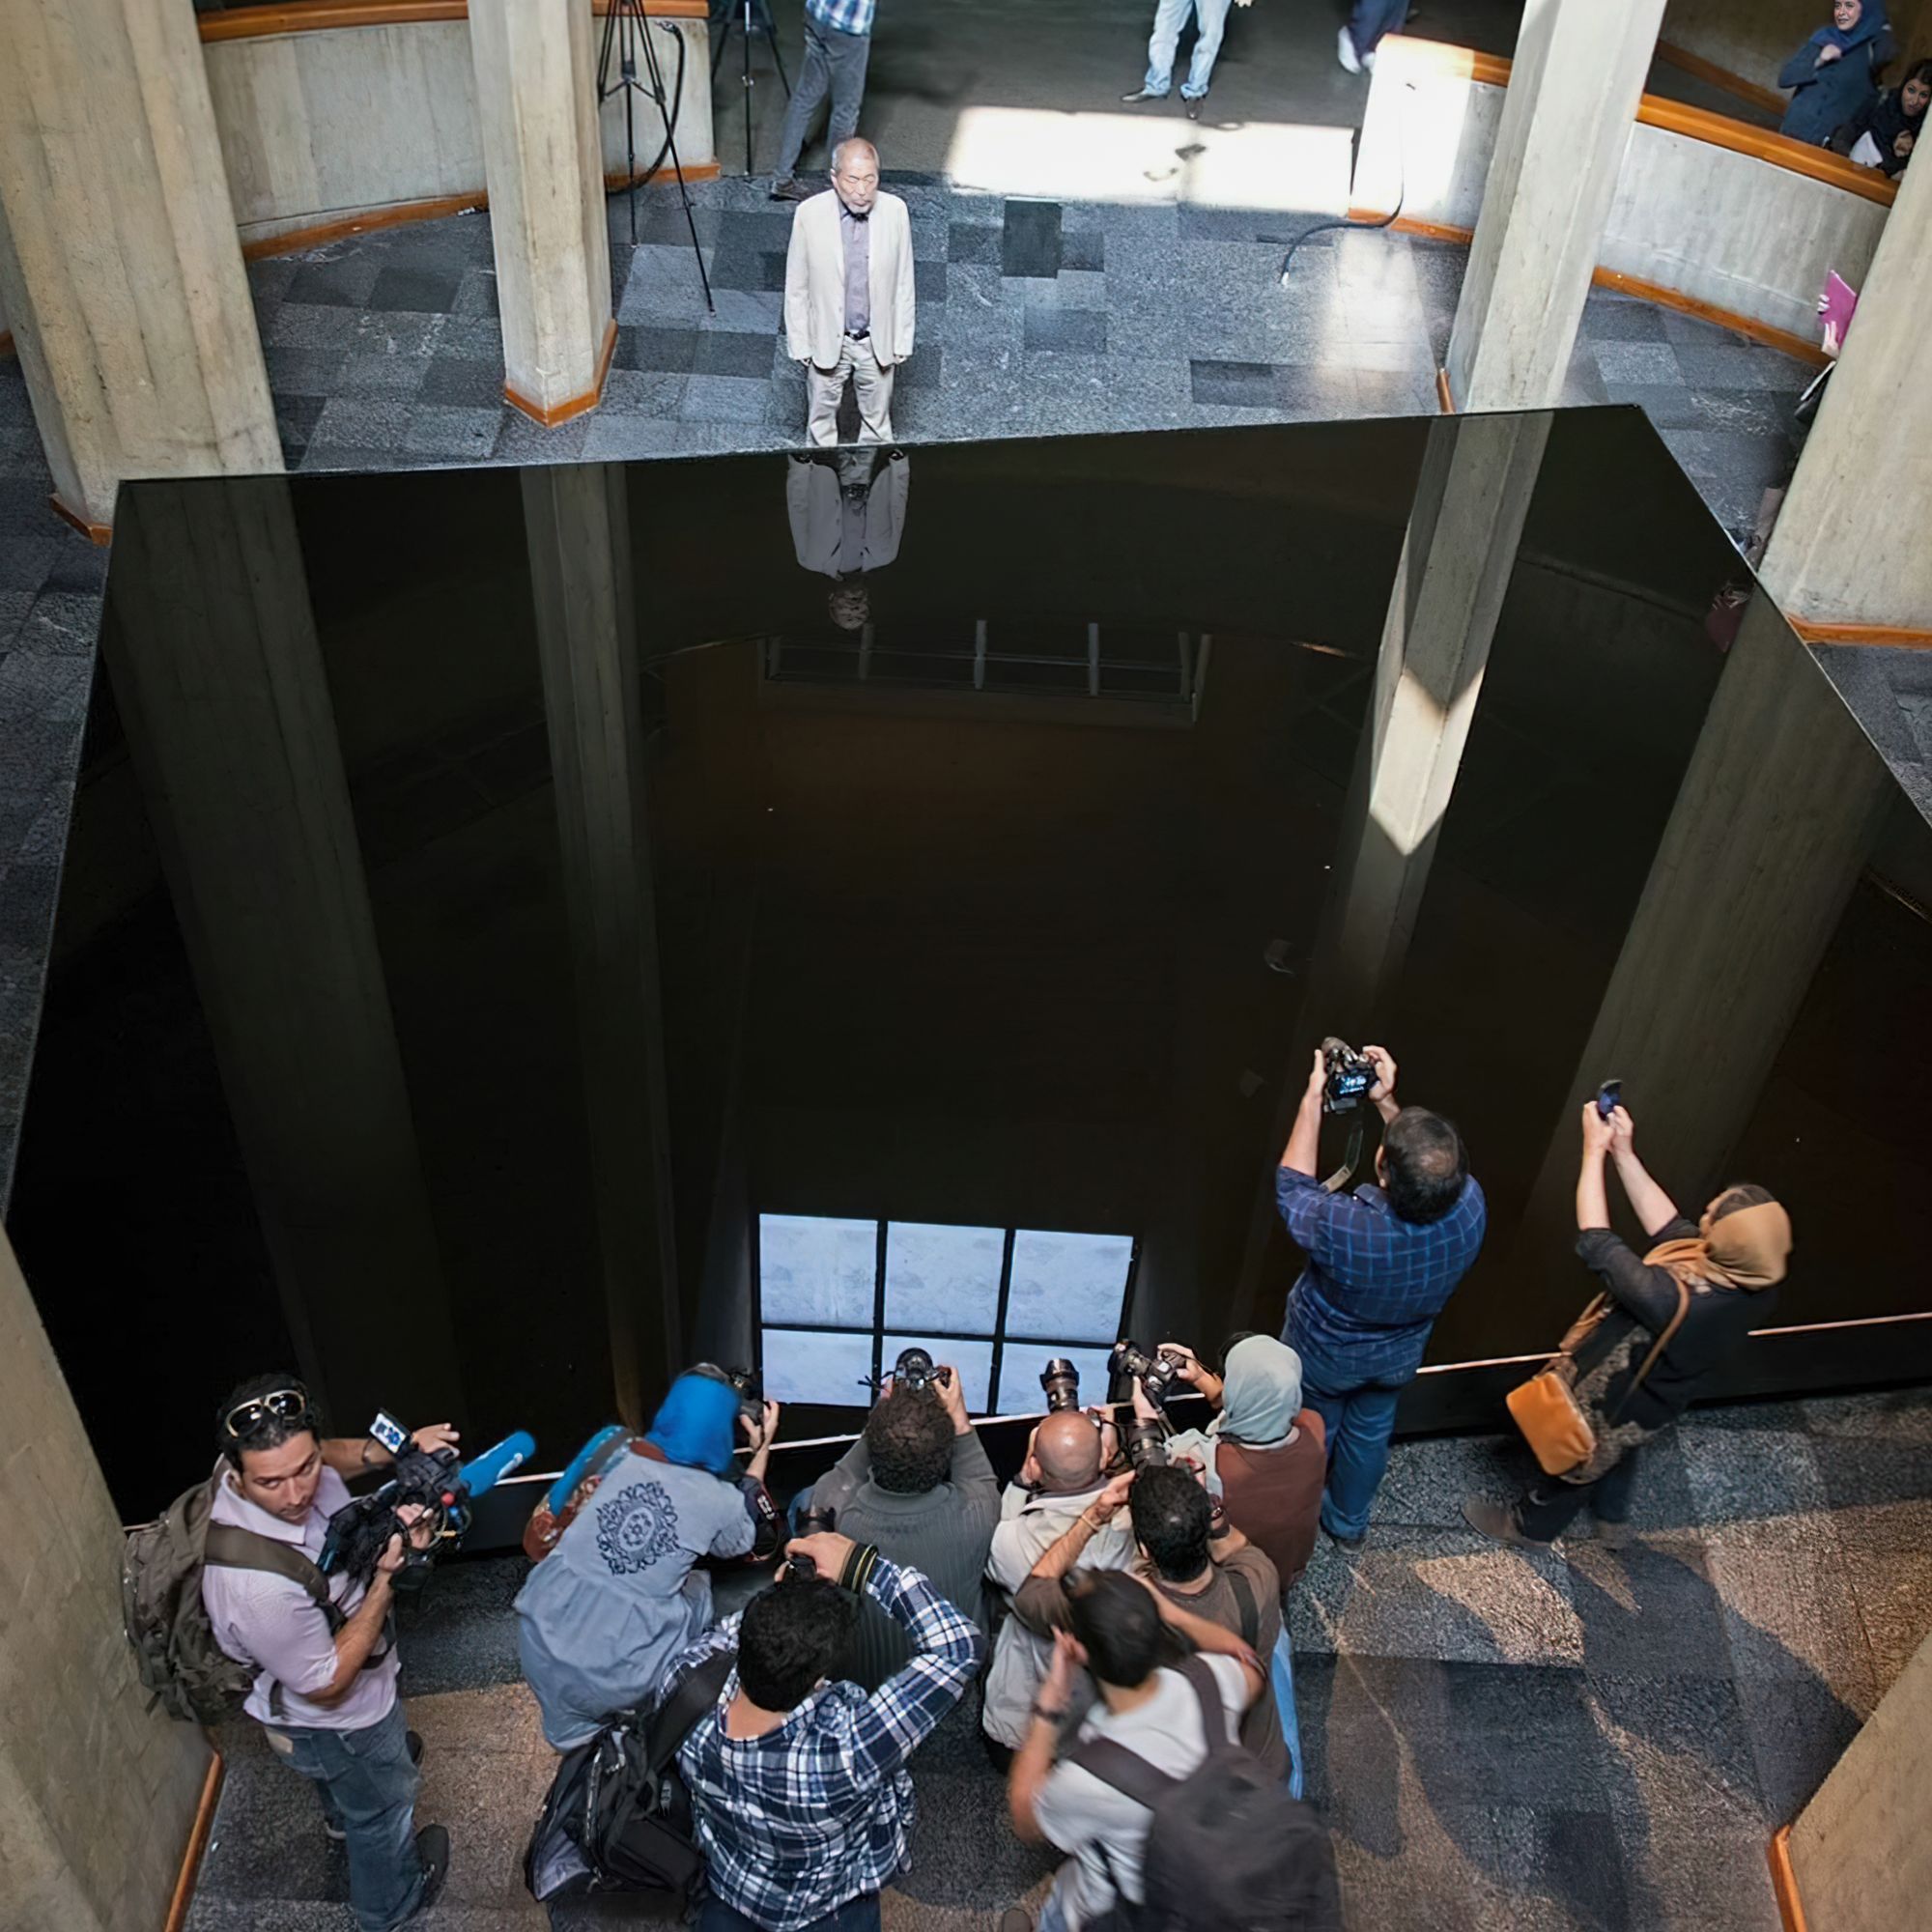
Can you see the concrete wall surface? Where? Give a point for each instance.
(97, 1794)
(1860, 1851)
(1716, 226)
(317, 126)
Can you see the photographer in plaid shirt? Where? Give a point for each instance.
(803, 1802)
(1382, 1262)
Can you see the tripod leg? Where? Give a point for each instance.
(668, 111)
(746, 44)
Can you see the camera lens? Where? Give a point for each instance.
(800, 1567)
(817, 1522)
(1060, 1380)
(914, 1370)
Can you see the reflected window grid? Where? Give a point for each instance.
(998, 1303)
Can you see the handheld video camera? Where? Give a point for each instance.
(751, 1389)
(1156, 1372)
(1351, 1076)
(813, 1521)
(431, 1481)
(1060, 1380)
(914, 1370)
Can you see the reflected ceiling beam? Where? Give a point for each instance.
(1771, 826)
(1843, 552)
(1464, 528)
(211, 642)
(1574, 88)
(577, 526)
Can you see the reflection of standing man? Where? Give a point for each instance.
(849, 296)
(846, 514)
(837, 44)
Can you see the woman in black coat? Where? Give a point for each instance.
(1894, 119)
(1834, 74)
(1700, 1286)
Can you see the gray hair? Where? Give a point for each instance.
(852, 143)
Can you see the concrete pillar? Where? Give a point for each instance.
(1772, 827)
(119, 269)
(536, 98)
(210, 643)
(99, 1794)
(1858, 1856)
(1848, 547)
(1575, 83)
(579, 533)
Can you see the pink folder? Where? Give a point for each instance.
(1839, 302)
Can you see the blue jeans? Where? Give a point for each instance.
(856, 1915)
(834, 64)
(1211, 20)
(368, 1787)
(1359, 1412)
(1281, 1679)
(1370, 19)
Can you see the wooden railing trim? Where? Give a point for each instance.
(253, 23)
(1698, 123)
(1711, 75)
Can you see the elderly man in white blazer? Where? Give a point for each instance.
(849, 295)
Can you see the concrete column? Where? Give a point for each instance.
(580, 545)
(1464, 525)
(212, 645)
(536, 98)
(97, 1792)
(1858, 1853)
(120, 270)
(1773, 824)
(1848, 547)
(1577, 73)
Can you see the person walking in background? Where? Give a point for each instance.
(849, 296)
(1264, 1457)
(918, 1487)
(1834, 74)
(1700, 1290)
(1382, 1262)
(1369, 21)
(1883, 133)
(1211, 22)
(837, 44)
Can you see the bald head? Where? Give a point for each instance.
(855, 174)
(1067, 1449)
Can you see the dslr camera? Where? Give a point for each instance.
(1146, 1441)
(813, 1521)
(1351, 1076)
(1060, 1380)
(914, 1370)
(751, 1389)
(1156, 1372)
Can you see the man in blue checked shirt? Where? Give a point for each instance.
(803, 1804)
(1382, 1262)
(837, 44)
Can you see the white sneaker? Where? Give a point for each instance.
(1345, 50)
(1369, 61)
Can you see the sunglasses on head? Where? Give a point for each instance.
(288, 1405)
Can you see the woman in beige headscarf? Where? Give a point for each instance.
(1701, 1288)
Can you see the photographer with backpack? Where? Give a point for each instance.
(1169, 1822)
(319, 1651)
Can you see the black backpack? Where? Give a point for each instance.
(1228, 1849)
(618, 1818)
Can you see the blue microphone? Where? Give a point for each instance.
(565, 1487)
(482, 1473)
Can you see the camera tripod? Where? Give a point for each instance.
(625, 31)
(745, 15)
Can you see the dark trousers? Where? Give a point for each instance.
(1370, 19)
(834, 63)
(1357, 1410)
(1547, 1510)
(857, 1915)
(368, 1790)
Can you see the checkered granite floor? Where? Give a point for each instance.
(1035, 318)
(1578, 1740)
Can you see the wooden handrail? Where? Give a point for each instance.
(314, 16)
(1698, 123)
(1712, 75)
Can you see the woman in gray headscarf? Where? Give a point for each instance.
(1264, 1455)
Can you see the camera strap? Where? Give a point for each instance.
(1350, 1159)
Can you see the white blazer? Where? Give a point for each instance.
(816, 281)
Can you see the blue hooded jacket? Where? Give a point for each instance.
(694, 1424)
(1824, 98)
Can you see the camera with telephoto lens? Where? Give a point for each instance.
(750, 1390)
(1146, 1441)
(914, 1370)
(813, 1521)
(1156, 1372)
(1349, 1076)
(1060, 1380)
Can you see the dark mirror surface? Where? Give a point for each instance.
(520, 930)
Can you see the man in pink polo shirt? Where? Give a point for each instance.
(324, 1689)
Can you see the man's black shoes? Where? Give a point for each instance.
(433, 1849)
